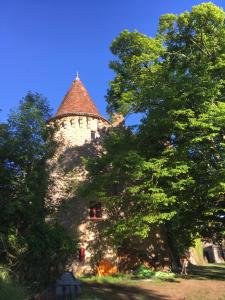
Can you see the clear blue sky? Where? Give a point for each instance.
(44, 42)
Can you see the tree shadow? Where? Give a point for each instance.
(211, 272)
(118, 292)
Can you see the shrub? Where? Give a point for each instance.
(9, 290)
(164, 275)
(145, 272)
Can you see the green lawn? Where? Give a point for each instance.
(127, 288)
(117, 287)
(210, 271)
(115, 292)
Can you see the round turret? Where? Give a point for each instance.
(77, 119)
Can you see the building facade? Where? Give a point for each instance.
(79, 129)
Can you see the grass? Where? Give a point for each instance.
(94, 291)
(203, 297)
(111, 279)
(119, 286)
(129, 287)
(124, 279)
(210, 271)
(126, 286)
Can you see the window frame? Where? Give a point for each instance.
(93, 135)
(95, 211)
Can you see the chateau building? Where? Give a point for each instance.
(79, 128)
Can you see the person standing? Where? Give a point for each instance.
(184, 264)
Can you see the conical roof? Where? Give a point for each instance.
(77, 102)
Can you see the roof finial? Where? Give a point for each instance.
(77, 77)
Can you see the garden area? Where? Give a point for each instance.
(203, 282)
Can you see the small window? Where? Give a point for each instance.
(80, 121)
(88, 122)
(95, 211)
(92, 135)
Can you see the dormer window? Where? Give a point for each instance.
(95, 211)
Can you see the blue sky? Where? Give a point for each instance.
(44, 42)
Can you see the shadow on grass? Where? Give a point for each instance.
(97, 291)
(136, 290)
(211, 271)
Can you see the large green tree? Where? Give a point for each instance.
(30, 247)
(25, 149)
(175, 168)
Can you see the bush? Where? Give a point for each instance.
(164, 275)
(49, 249)
(38, 256)
(9, 290)
(144, 272)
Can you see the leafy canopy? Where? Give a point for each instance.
(30, 248)
(171, 170)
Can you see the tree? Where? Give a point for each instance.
(30, 247)
(176, 80)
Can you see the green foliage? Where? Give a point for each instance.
(118, 278)
(8, 289)
(145, 272)
(171, 171)
(199, 247)
(197, 252)
(128, 187)
(121, 278)
(165, 275)
(24, 148)
(33, 250)
(38, 255)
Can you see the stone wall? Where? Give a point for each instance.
(80, 136)
(78, 130)
(76, 137)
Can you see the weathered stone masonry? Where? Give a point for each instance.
(79, 130)
(79, 133)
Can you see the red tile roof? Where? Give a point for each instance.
(77, 101)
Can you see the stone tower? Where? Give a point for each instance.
(79, 130)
